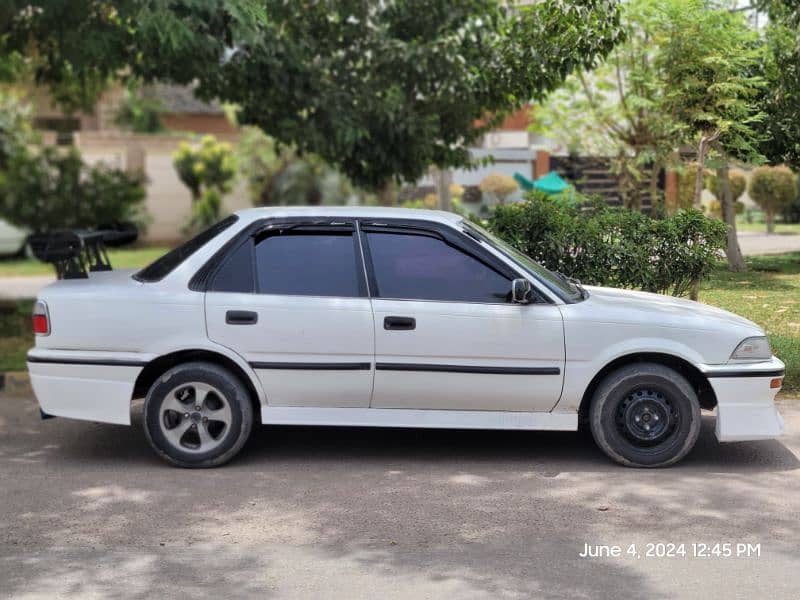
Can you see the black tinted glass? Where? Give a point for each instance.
(308, 264)
(236, 273)
(164, 265)
(426, 268)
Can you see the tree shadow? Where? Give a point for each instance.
(358, 512)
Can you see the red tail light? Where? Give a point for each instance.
(41, 319)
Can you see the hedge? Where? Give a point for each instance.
(613, 247)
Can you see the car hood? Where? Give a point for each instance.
(627, 306)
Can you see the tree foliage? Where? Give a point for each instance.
(781, 96)
(616, 109)
(773, 189)
(375, 89)
(208, 170)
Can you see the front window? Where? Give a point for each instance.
(412, 266)
(556, 283)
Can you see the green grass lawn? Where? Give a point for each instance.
(762, 228)
(769, 294)
(124, 258)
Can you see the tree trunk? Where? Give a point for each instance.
(770, 221)
(388, 194)
(702, 150)
(732, 250)
(444, 178)
(656, 201)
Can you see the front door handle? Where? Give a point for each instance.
(241, 317)
(399, 323)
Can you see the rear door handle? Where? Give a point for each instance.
(399, 323)
(241, 317)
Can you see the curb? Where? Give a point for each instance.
(15, 383)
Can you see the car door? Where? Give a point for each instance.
(447, 335)
(291, 299)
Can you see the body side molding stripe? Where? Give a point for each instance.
(746, 373)
(313, 366)
(382, 366)
(88, 361)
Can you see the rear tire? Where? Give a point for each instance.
(645, 415)
(197, 415)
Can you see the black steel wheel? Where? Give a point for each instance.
(645, 415)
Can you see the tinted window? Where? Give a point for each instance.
(308, 264)
(163, 266)
(236, 273)
(426, 268)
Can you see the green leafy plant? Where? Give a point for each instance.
(208, 170)
(773, 189)
(738, 182)
(613, 247)
(139, 113)
(498, 186)
(53, 189)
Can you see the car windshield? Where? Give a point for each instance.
(555, 281)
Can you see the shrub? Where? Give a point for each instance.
(54, 189)
(208, 171)
(613, 247)
(773, 189)
(686, 182)
(498, 186)
(714, 208)
(738, 184)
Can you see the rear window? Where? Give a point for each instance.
(163, 266)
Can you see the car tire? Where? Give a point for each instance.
(197, 415)
(645, 415)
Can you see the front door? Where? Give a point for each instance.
(292, 301)
(447, 335)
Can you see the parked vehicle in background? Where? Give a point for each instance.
(13, 241)
(391, 318)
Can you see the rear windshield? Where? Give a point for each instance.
(163, 266)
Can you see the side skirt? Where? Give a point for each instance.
(433, 419)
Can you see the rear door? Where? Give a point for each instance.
(447, 335)
(292, 300)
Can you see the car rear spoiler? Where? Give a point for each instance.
(74, 254)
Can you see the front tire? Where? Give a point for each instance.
(645, 415)
(197, 415)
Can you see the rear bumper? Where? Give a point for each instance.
(745, 401)
(96, 387)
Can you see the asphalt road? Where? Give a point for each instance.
(87, 511)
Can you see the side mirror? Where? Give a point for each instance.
(521, 291)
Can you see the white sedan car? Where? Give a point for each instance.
(12, 239)
(390, 318)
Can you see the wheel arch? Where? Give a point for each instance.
(158, 366)
(700, 383)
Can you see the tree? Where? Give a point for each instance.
(208, 171)
(616, 110)
(781, 96)
(498, 186)
(371, 88)
(772, 188)
(709, 58)
(277, 175)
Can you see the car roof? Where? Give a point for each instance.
(362, 212)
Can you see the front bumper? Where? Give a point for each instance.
(745, 401)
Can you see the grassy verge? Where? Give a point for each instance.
(15, 334)
(769, 295)
(123, 258)
(784, 228)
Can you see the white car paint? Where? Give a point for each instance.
(106, 329)
(12, 239)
